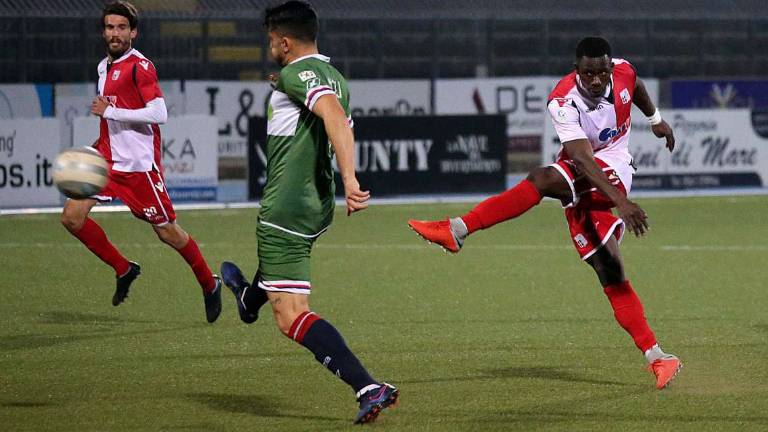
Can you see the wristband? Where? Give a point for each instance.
(655, 118)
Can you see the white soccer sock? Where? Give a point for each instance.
(654, 353)
(366, 389)
(459, 229)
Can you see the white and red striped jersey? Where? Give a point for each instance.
(606, 122)
(129, 82)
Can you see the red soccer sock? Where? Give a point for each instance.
(94, 238)
(630, 315)
(505, 206)
(194, 258)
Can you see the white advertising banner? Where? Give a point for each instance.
(523, 100)
(190, 162)
(27, 151)
(232, 102)
(389, 97)
(715, 148)
(190, 158)
(74, 100)
(18, 101)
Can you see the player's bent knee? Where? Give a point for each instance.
(284, 319)
(549, 182)
(162, 235)
(286, 308)
(172, 235)
(71, 221)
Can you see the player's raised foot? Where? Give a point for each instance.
(249, 299)
(124, 283)
(374, 401)
(438, 232)
(665, 369)
(213, 301)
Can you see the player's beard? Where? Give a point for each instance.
(280, 60)
(120, 49)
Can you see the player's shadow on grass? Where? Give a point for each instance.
(25, 404)
(548, 373)
(540, 372)
(250, 404)
(68, 317)
(32, 341)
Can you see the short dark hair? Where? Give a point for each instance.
(593, 46)
(122, 8)
(294, 18)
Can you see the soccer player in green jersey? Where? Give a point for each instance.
(308, 120)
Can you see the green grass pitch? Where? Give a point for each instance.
(513, 333)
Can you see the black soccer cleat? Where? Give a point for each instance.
(374, 401)
(124, 283)
(213, 301)
(249, 298)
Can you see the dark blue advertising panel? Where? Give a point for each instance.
(414, 155)
(719, 94)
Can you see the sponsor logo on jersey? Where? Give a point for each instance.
(306, 75)
(563, 101)
(144, 64)
(312, 83)
(624, 96)
(596, 108)
(614, 134)
(159, 186)
(115, 75)
(580, 240)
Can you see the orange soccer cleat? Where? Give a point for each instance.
(665, 369)
(438, 232)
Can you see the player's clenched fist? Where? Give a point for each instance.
(99, 105)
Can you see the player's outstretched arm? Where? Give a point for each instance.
(659, 127)
(342, 139)
(580, 151)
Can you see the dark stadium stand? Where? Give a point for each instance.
(58, 41)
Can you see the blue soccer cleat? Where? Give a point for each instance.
(213, 301)
(374, 401)
(249, 298)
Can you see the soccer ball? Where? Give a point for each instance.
(80, 172)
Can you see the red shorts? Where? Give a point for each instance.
(143, 192)
(589, 215)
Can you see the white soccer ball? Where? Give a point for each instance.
(80, 172)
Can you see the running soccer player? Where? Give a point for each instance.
(308, 107)
(131, 107)
(590, 109)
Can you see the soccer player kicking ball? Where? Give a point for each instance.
(590, 108)
(131, 107)
(309, 106)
